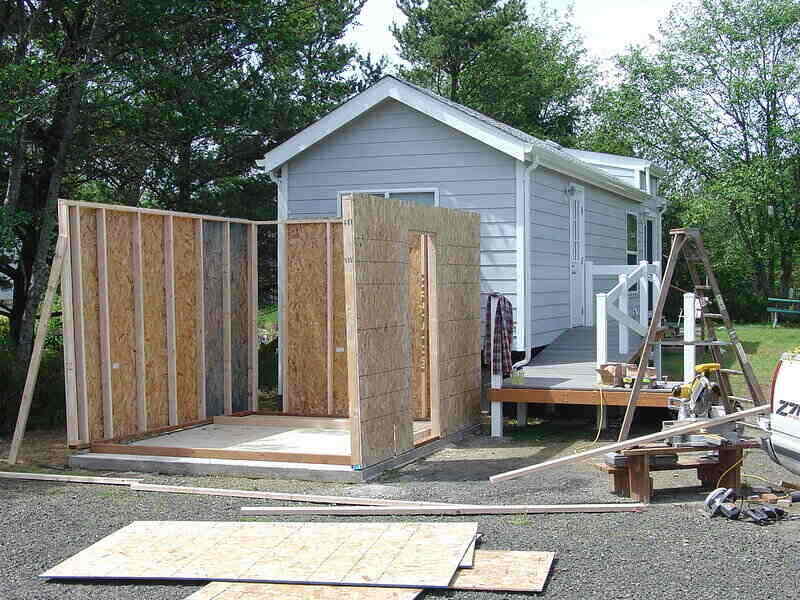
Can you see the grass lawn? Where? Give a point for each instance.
(268, 316)
(763, 345)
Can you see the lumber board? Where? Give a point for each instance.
(200, 320)
(213, 306)
(172, 343)
(155, 321)
(418, 323)
(104, 320)
(652, 437)
(296, 457)
(38, 344)
(68, 478)
(68, 331)
(284, 421)
(138, 306)
(505, 571)
(341, 404)
(227, 351)
(329, 318)
(451, 509)
(310, 498)
(78, 323)
(240, 318)
(223, 590)
(435, 362)
(93, 352)
(393, 554)
(578, 397)
(253, 342)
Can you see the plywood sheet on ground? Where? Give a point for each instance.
(239, 317)
(505, 571)
(364, 554)
(256, 438)
(284, 591)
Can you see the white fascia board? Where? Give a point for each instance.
(397, 90)
(589, 174)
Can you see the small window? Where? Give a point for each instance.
(632, 239)
(643, 181)
(654, 185)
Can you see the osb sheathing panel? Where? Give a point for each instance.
(380, 230)
(239, 317)
(214, 317)
(505, 571)
(418, 322)
(341, 405)
(119, 228)
(155, 321)
(306, 319)
(369, 554)
(91, 322)
(219, 590)
(186, 302)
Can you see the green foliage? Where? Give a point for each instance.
(491, 56)
(715, 99)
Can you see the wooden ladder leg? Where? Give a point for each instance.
(639, 482)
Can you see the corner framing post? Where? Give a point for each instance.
(200, 320)
(78, 322)
(67, 320)
(138, 305)
(226, 319)
(433, 337)
(105, 325)
(38, 345)
(689, 335)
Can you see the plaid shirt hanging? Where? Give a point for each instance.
(500, 355)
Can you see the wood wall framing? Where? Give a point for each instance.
(380, 315)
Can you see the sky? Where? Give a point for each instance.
(608, 26)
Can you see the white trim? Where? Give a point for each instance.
(520, 329)
(391, 88)
(385, 192)
(576, 196)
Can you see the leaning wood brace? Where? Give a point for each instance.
(38, 345)
(689, 244)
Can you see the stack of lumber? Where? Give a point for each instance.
(253, 561)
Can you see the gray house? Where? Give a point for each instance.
(546, 211)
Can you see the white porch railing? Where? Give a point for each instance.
(616, 305)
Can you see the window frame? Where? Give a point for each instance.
(628, 252)
(385, 192)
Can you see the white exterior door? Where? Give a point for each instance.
(577, 255)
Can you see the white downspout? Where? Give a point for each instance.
(526, 261)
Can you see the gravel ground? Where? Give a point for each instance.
(669, 551)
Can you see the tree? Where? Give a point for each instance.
(716, 99)
(491, 56)
(163, 103)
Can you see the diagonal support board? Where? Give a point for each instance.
(38, 345)
(363, 554)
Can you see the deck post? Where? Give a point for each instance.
(602, 331)
(588, 291)
(497, 419)
(656, 291)
(689, 332)
(623, 307)
(643, 295)
(522, 414)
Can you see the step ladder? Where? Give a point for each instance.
(688, 244)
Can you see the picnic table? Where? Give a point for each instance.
(789, 306)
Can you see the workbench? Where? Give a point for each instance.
(633, 480)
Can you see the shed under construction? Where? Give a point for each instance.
(379, 325)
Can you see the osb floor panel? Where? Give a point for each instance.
(370, 554)
(283, 591)
(505, 571)
(256, 438)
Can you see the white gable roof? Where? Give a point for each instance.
(502, 137)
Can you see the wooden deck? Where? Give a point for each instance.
(564, 373)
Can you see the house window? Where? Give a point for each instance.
(654, 186)
(643, 181)
(427, 196)
(632, 248)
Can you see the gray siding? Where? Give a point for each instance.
(549, 247)
(394, 146)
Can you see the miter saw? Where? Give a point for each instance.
(700, 400)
